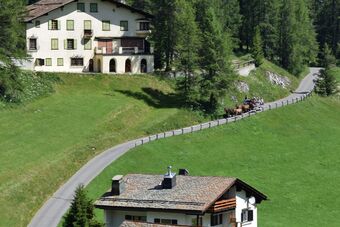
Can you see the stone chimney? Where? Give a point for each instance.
(169, 180)
(117, 185)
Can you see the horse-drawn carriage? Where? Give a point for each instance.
(249, 105)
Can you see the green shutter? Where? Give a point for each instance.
(50, 25)
(106, 25)
(54, 44)
(70, 25)
(75, 44)
(59, 25)
(60, 62)
(48, 62)
(65, 44)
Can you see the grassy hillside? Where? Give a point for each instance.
(291, 154)
(42, 143)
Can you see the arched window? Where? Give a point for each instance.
(113, 65)
(143, 66)
(128, 66)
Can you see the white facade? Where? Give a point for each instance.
(114, 218)
(96, 58)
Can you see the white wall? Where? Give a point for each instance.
(106, 11)
(242, 203)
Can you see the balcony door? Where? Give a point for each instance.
(107, 43)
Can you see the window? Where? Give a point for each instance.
(93, 7)
(247, 215)
(135, 218)
(124, 25)
(37, 23)
(32, 44)
(106, 25)
(166, 221)
(53, 25)
(54, 44)
(144, 26)
(60, 62)
(87, 25)
(194, 221)
(216, 219)
(39, 62)
(70, 25)
(48, 61)
(70, 44)
(81, 7)
(87, 44)
(77, 61)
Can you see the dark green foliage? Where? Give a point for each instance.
(215, 57)
(186, 49)
(327, 58)
(257, 48)
(81, 212)
(10, 86)
(326, 84)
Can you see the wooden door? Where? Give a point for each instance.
(107, 43)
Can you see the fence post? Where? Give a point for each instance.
(235, 118)
(270, 106)
(276, 105)
(282, 103)
(287, 101)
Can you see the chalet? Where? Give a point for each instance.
(179, 200)
(88, 36)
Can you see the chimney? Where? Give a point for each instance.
(169, 180)
(183, 172)
(117, 185)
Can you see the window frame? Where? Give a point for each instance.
(79, 9)
(90, 23)
(67, 25)
(68, 41)
(48, 62)
(96, 8)
(143, 25)
(166, 221)
(76, 65)
(216, 219)
(29, 44)
(39, 62)
(245, 215)
(122, 28)
(108, 23)
(51, 24)
(135, 218)
(58, 62)
(57, 44)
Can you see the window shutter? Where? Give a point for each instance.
(242, 220)
(49, 25)
(65, 44)
(75, 44)
(250, 215)
(59, 25)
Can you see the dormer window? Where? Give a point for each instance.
(124, 25)
(81, 7)
(93, 7)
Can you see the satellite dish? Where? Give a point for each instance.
(252, 200)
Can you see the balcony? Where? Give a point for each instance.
(88, 33)
(122, 51)
(223, 205)
(143, 32)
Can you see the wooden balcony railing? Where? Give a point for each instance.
(223, 205)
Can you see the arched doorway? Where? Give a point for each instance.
(128, 66)
(112, 65)
(91, 66)
(143, 66)
(99, 66)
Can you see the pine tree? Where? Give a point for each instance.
(257, 48)
(326, 84)
(215, 56)
(81, 212)
(328, 60)
(186, 51)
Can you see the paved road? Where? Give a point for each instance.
(52, 211)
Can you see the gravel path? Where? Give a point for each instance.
(55, 207)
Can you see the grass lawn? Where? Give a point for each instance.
(44, 142)
(291, 154)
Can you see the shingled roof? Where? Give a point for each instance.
(191, 194)
(43, 7)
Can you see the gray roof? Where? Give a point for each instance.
(191, 193)
(144, 224)
(43, 7)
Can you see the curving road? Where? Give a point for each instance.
(52, 211)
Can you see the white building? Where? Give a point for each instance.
(88, 36)
(151, 200)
